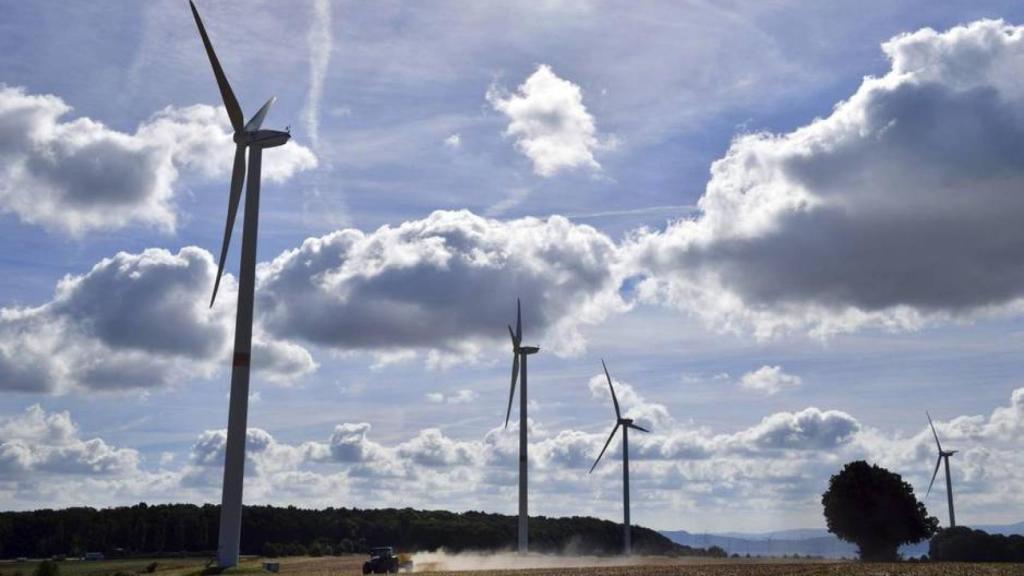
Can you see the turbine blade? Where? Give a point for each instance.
(640, 428)
(237, 177)
(519, 322)
(257, 120)
(610, 436)
(512, 390)
(937, 443)
(614, 399)
(234, 110)
(934, 474)
(515, 343)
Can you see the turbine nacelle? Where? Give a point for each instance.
(264, 138)
(628, 423)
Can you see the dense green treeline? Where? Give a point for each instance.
(962, 544)
(175, 528)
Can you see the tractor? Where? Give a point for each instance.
(383, 560)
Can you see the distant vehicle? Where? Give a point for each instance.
(383, 560)
(93, 556)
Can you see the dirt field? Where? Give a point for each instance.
(165, 567)
(506, 565)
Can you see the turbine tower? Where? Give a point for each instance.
(519, 355)
(943, 455)
(247, 136)
(626, 423)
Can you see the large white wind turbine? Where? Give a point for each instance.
(626, 423)
(248, 135)
(943, 455)
(519, 355)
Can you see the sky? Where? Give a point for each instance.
(789, 228)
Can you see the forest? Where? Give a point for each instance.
(188, 529)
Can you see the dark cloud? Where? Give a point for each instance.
(133, 321)
(149, 301)
(905, 202)
(75, 176)
(441, 283)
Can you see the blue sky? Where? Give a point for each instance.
(789, 228)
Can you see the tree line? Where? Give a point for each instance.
(962, 544)
(271, 530)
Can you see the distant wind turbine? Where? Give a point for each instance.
(626, 423)
(519, 356)
(248, 135)
(943, 455)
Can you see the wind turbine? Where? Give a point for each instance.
(943, 454)
(247, 136)
(519, 355)
(626, 423)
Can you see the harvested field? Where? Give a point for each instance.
(533, 565)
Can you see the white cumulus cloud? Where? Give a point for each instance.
(781, 464)
(133, 321)
(38, 442)
(76, 176)
(769, 380)
(549, 122)
(445, 283)
(900, 206)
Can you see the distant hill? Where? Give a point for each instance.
(270, 530)
(798, 534)
(803, 542)
(1005, 529)
(812, 541)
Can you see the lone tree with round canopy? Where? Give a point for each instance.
(876, 510)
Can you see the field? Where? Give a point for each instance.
(499, 565)
(165, 567)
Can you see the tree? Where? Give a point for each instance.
(717, 552)
(47, 568)
(876, 510)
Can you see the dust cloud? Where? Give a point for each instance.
(444, 561)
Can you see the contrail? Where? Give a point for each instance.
(684, 208)
(319, 40)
